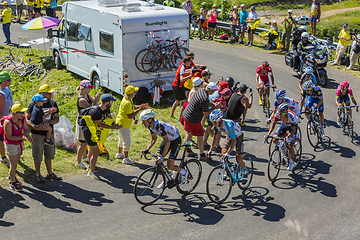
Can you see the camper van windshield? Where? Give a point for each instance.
(84, 33)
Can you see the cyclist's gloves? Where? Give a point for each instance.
(225, 155)
(339, 106)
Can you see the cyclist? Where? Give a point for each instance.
(308, 75)
(171, 142)
(289, 122)
(262, 79)
(234, 138)
(282, 99)
(314, 95)
(342, 96)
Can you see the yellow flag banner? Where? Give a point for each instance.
(98, 134)
(273, 32)
(254, 25)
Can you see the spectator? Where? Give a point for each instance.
(30, 8)
(288, 24)
(206, 75)
(6, 101)
(15, 132)
(239, 104)
(315, 14)
(127, 112)
(188, 6)
(39, 149)
(83, 101)
(344, 42)
(19, 9)
(213, 14)
(6, 21)
(199, 106)
(234, 17)
(252, 17)
(202, 20)
(183, 73)
(242, 26)
(169, 3)
(272, 35)
(37, 7)
(98, 113)
(355, 50)
(49, 10)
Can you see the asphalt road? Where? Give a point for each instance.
(319, 201)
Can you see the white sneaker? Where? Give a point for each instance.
(5, 161)
(184, 177)
(119, 155)
(161, 185)
(86, 160)
(127, 161)
(291, 165)
(81, 164)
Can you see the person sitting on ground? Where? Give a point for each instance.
(39, 116)
(171, 142)
(239, 104)
(271, 33)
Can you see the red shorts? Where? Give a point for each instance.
(195, 129)
(265, 80)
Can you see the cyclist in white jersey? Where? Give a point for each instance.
(171, 142)
(280, 98)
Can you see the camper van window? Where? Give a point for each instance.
(61, 29)
(72, 31)
(84, 33)
(106, 41)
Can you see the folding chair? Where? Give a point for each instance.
(24, 43)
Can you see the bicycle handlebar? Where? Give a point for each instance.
(348, 107)
(149, 158)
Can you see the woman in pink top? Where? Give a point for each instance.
(15, 132)
(213, 14)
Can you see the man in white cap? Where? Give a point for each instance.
(354, 53)
(288, 24)
(253, 16)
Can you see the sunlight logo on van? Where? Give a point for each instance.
(155, 23)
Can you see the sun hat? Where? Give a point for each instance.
(5, 3)
(130, 89)
(38, 98)
(18, 108)
(45, 88)
(212, 86)
(197, 82)
(204, 3)
(4, 76)
(107, 98)
(86, 83)
(225, 91)
(252, 8)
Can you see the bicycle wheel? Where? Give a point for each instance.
(37, 75)
(272, 146)
(243, 185)
(359, 60)
(13, 63)
(3, 62)
(194, 27)
(146, 189)
(17, 72)
(350, 127)
(177, 56)
(139, 58)
(195, 170)
(298, 152)
(274, 165)
(218, 184)
(151, 61)
(312, 134)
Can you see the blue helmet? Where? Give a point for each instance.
(216, 115)
(309, 70)
(283, 108)
(280, 94)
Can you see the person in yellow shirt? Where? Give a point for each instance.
(37, 7)
(169, 3)
(344, 42)
(125, 116)
(30, 8)
(6, 21)
(49, 11)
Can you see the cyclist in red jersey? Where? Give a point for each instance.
(262, 79)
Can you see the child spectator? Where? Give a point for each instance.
(38, 115)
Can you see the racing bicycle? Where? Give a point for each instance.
(265, 100)
(224, 176)
(10, 61)
(150, 184)
(35, 72)
(313, 128)
(347, 122)
(280, 156)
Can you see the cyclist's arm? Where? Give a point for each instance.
(257, 79)
(302, 102)
(337, 101)
(272, 78)
(152, 141)
(166, 147)
(272, 127)
(321, 100)
(314, 79)
(216, 132)
(292, 132)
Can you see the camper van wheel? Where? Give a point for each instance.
(95, 80)
(57, 60)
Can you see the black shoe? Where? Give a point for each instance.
(241, 42)
(203, 157)
(48, 143)
(16, 187)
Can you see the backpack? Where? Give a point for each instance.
(344, 60)
(83, 112)
(224, 36)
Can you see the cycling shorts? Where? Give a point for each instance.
(173, 149)
(344, 98)
(202, 23)
(310, 102)
(239, 143)
(282, 129)
(265, 80)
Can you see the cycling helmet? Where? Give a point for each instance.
(302, 28)
(280, 94)
(304, 35)
(235, 7)
(146, 114)
(344, 85)
(309, 70)
(283, 108)
(216, 115)
(265, 64)
(230, 81)
(274, 21)
(197, 82)
(204, 3)
(308, 85)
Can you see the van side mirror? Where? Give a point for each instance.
(52, 33)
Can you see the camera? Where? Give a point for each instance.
(235, 87)
(353, 33)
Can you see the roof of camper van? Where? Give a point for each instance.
(146, 7)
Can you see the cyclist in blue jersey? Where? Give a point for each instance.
(280, 98)
(234, 138)
(308, 75)
(314, 95)
(289, 122)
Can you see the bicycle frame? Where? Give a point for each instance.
(233, 171)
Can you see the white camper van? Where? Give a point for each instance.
(100, 40)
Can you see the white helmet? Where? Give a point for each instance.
(309, 70)
(274, 21)
(289, 11)
(303, 28)
(197, 82)
(304, 35)
(146, 114)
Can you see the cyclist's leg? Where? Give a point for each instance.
(291, 142)
(261, 90)
(339, 111)
(174, 150)
(308, 105)
(347, 102)
(240, 151)
(321, 113)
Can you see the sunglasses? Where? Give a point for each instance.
(309, 90)
(20, 112)
(344, 89)
(282, 113)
